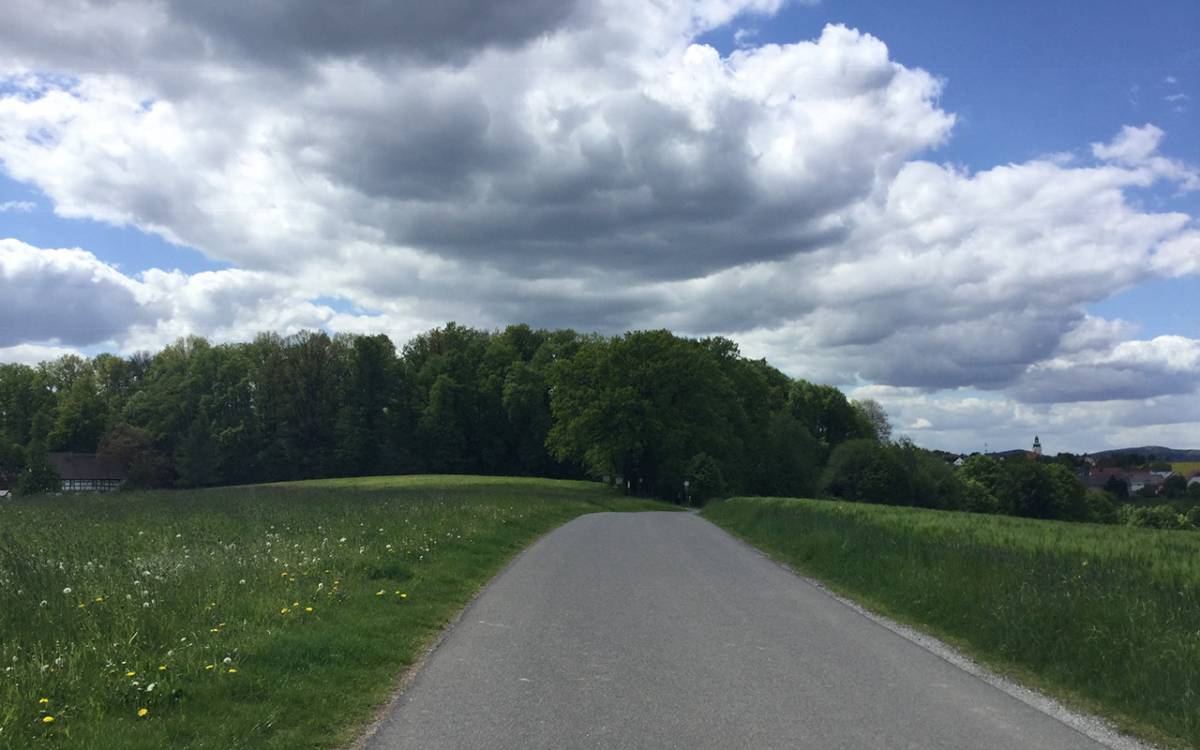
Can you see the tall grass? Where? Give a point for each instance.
(247, 617)
(1107, 616)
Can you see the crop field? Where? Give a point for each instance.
(272, 616)
(1107, 617)
(1186, 468)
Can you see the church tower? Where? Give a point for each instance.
(1037, 446)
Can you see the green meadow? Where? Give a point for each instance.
(1107, 617)
(270, 616)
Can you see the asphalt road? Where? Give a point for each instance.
(659, 630)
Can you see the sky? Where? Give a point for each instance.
(983, 215)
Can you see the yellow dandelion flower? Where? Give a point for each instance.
(231, 670)
(209, 667)
(220, 624)
(284, 610)
(43, 701)
(131, 674)
(47, 719)
(162, 667)
(403, 596)
(82, 605)
(378, 593)
(99, 598)
(142, 712)
(295, 604)
(308, 610)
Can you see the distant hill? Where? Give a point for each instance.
(1151, 452)
(1154, 453)
(1017, 453)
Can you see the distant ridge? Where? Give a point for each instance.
(1151, 452)
(1154, 453)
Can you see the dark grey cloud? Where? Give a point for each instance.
(1132, 370)
(1103, 382)
(171, 36)
(291, 32)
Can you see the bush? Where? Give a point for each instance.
(1155, 517)
(38, 476)
(867, 471)
(706, 479)
(935, 483)
(977, 498)
(1101, 508)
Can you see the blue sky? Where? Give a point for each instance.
(1033, 77)
(1019, 253)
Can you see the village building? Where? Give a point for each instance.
(87, 472)
(1139, 480)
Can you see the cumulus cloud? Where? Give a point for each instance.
(1130, 370)
(64, 296)
(575, 164)
(17, 206)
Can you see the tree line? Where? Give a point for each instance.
(648, 406)
(649, 409)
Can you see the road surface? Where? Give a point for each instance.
(659, 630)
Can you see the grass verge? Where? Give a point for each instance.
(268, 617)
(1107, 618)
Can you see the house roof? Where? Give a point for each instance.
(85, 466)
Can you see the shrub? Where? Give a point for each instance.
(707, 481)
(977, 498)
(867, 471)
(1155, 517)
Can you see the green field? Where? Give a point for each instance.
(273, 616)
(1186, 468)
(1105, 617)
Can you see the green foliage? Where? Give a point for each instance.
(1156, 517)
(643, 405)
(867, 471)
(978, 497)
(1175, 486)
(705, 479)
(1036, 489)
(827, 414)
(1101, 508)
(1103, 613)
(196, 457)
(454, 399)
(872, 414)
(38, 475)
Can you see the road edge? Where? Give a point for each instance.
(410, 674)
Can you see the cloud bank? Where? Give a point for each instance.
(576, 164)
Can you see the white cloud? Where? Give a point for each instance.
(594, 167)
(17, 206)
(63, 296)
(1138, 147)
(33, 354)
